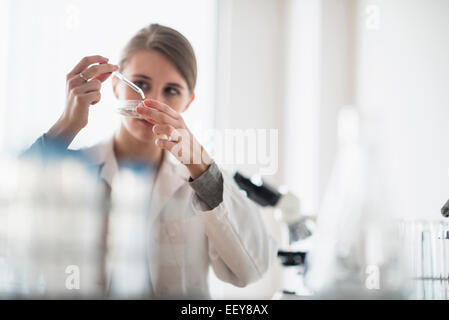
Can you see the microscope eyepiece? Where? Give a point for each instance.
(445, 210)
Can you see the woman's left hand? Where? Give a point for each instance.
(173, 135)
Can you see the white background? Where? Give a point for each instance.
(46, 39)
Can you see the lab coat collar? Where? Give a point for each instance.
(171, 176)
(103, 156)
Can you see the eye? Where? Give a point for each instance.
(171, 91)
(142, 85)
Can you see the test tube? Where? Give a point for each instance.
(129, 83)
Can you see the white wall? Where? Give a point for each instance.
(250, 87)
(301, 114)
(336, 82)
(403, 90)
(4, 35)
(318, 83)
(250, 96)
(45, 39)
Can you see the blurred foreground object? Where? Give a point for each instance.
(62, 236)
(356, 253)
(50, 229)
(130, 228)
(426, 245)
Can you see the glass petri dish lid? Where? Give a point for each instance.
(128, 108)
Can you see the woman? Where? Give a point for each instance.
(205, 218)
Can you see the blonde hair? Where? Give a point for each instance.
(171, 44)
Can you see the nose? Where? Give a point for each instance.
(155, 94)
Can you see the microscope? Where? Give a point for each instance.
(298, 229)
(445, 210)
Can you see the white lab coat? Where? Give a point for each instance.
(231, 238)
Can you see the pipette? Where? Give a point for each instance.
(129, 83)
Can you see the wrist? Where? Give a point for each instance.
(196, 170)
(63, 132)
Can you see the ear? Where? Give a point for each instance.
(190, 102)
(114, 86)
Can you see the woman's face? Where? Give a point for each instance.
(160, 80)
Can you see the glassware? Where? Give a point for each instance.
(426, 247)
(356, 252)
(128, 108)
(118, 75)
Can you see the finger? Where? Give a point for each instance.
(165, 144)
(163, 129)
(103, 77)
(99, 70)
(167, 132)
(173, 137)
(164, 137)
(162, 107)
(90, 98)
(156, 116)
(75, 81)
(86, 62)
(91, 86)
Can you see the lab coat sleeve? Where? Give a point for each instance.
(47, 147)
(240, 249)
(209, 186)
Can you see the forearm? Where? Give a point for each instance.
(198, 169)
(62, 133)
(57, 138)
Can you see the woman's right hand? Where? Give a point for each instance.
(83, 90)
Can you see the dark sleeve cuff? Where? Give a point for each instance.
(209, 186)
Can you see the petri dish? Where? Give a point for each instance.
(127, 108)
